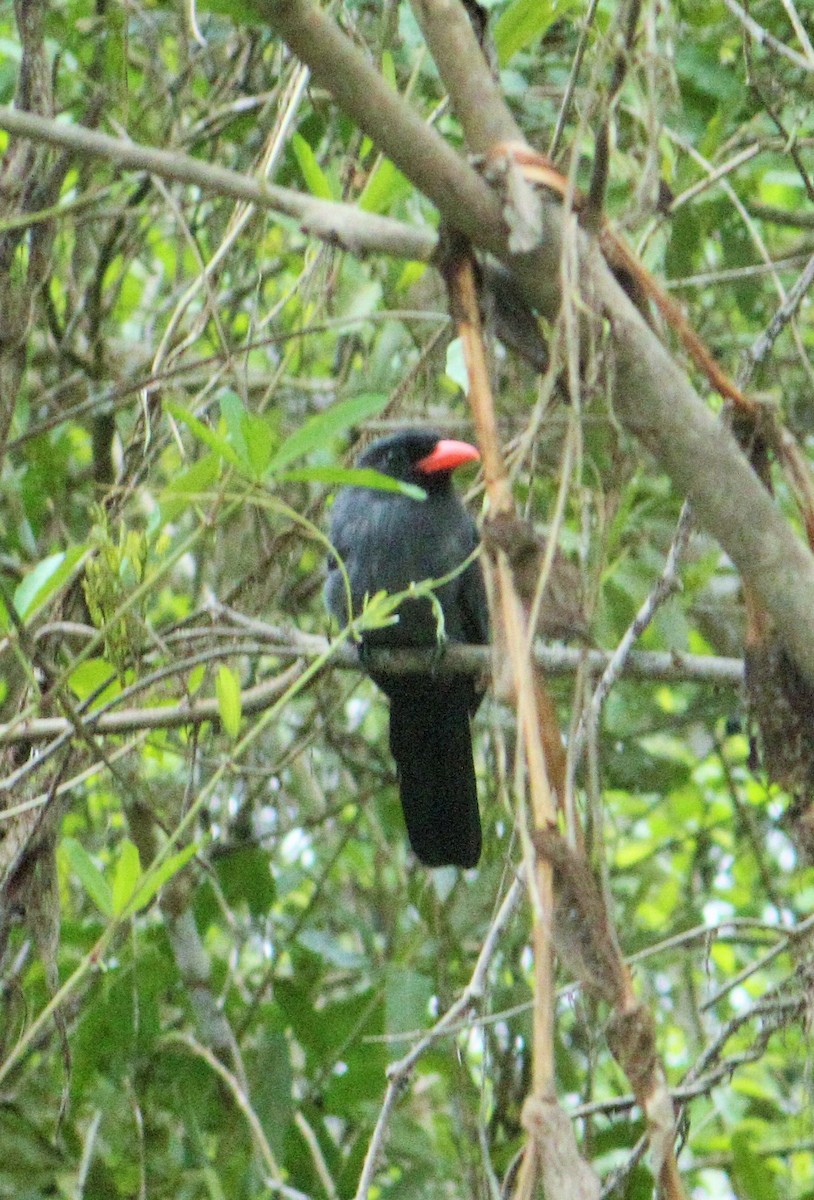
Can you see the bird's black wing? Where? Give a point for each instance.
(473, 602)
(344, 537)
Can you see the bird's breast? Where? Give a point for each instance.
(390, 542)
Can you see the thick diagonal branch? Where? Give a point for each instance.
(652, 396)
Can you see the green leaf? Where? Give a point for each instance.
(91, 676)
(379, 611)
(233, 412)
(455, 367)
(126, 876)
(271, 1084)
(227, 689)
(245, 877)
(195, 679)
(89, 875)
(155, 880)
(685, 241)
(353, 477)
(525, 21)
(241, 12)
(388, 69)
(202, 432)
(250, 434)
(45, 580)
(259, 442)
(384, 187)
(315, 178)
(407, 999)
(196, 481)
(318, 431)
(752, 1173)
(328, 946)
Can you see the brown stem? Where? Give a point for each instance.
(461, 281)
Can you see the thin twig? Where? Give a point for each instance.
(241, 1099)
(187, 713)
(667, 583)
(794, 936)
(785, 313)
(399, 1072)
(799, 28)
(764, 38)
(570, 88)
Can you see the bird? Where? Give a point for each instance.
(388, 540)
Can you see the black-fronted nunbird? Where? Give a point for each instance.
(389, 540)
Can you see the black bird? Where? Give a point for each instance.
(388, 541)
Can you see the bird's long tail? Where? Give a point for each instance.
(430, 740)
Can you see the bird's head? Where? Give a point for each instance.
(419, 456)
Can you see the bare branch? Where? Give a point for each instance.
(764, 38)
(340, 224)
(648, 666)
(785, 313)
(399, 1072)
(475, 94)
(360, 91)
(164, 717)
(667, 583)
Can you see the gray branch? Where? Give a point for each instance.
(340, 224)
(556, 660)
(652, 396)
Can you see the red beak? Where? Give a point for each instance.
(447, 455)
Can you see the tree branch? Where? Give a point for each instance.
(42, 729)
(647, 666)
(765, 38)
(360, 91)
(652, 396)
(339, 224)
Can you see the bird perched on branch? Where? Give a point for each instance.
(389, 540)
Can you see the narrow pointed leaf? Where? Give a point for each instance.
(319, 431)
(89, 875)
(227, 689)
